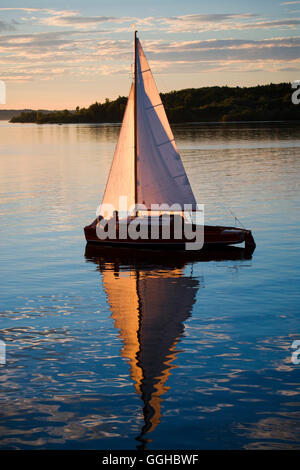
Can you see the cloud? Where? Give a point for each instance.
(199, 23)
(71, 19)
(45, 55)
(5, 26)
(192, 23)
(290, 69)
(78, 46)
(50, 11)
(21, 9)
(37, 44)
(78, 51)
(222, 22)
(220, 44)
(283, 49)
(289, 22)
(289, 3)
(216, 17)
(33, 74)
(54, 41)
(185, 23)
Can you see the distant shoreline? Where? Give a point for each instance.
(208, 104)
(282, 121)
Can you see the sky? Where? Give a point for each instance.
(63, 54)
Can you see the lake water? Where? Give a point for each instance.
(115, 350)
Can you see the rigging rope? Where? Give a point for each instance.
(233, 215)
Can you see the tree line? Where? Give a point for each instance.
(207, 104)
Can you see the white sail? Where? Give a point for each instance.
(158, 175)
(161, 177)
(121, 179)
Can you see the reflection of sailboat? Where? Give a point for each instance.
(150, 298)
(147, 171)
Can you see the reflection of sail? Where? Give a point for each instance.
(148, 308)
(150, 297)
(166, 301)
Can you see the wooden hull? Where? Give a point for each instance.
(213, 236)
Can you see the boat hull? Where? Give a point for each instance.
(213, 236)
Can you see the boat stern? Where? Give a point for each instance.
(249, 240)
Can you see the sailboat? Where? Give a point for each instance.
(147, 189)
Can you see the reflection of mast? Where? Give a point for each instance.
(149, 308)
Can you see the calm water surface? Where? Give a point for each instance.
(110, 350)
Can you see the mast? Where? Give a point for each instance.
(135, 118)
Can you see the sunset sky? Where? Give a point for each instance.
(58, 54)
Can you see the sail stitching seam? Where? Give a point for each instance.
(179, 176)
(166, 142)
(154, 106)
